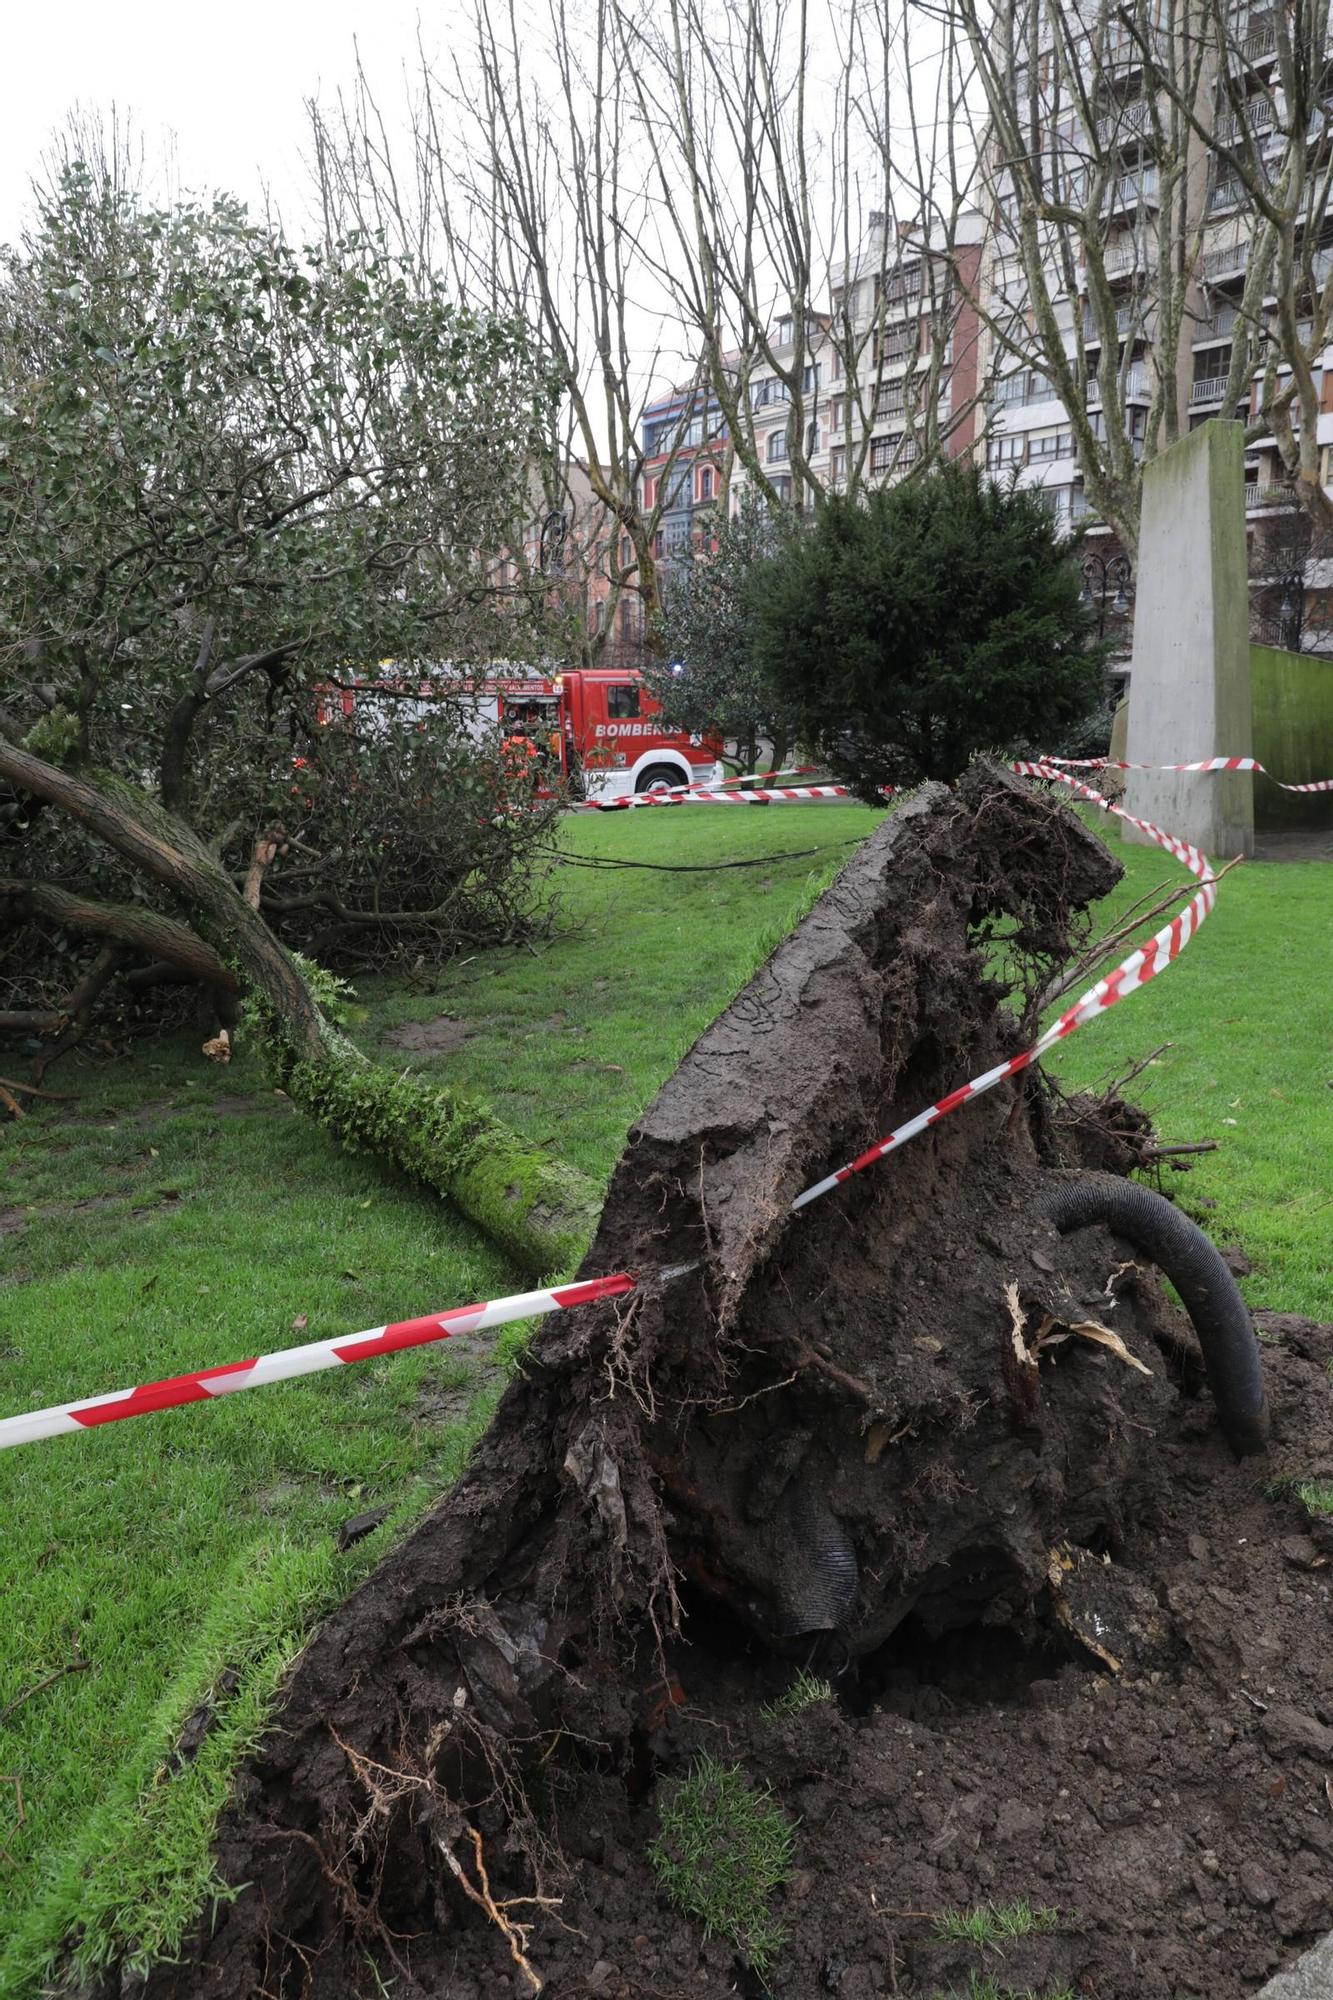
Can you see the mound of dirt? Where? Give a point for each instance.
(912, 1440)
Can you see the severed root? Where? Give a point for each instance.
(515, 1934)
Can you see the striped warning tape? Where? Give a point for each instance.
(1203, 764)
(208, 1383)
(1142, 965)
(697, 796)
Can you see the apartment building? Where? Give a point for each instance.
(1114, 131)
(683, 441)
(890, 366)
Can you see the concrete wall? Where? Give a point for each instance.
(1292, 709)
(1189, 690)
(1292, 695)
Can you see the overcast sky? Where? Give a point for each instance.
(228, 82)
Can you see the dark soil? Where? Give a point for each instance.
(434, 1038)
(1078, 1656)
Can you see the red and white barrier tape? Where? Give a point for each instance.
(208, 1383)
(1142, 965)
(761, 795)
(1204, 764)
(754, 778)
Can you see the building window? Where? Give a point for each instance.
(706, 483)
(659, 543)
(777, 448)
(810, 377)
(595, 616)
(1051, 444)
(626, 552)
(882, 452)
(1057, 500)
(1005, 451)
(837, 464)
(785, 325)
(837, 412)
(769, 390)
(622, 703)
(782, 487)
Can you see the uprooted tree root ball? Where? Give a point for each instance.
(909, 1508)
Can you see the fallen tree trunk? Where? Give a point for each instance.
(539, 1211)
(844, 1430)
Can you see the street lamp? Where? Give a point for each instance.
(1102, 576)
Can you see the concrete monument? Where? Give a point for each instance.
(1189, 689)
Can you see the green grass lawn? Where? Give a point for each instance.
(182, 1557)
(1248, 1011)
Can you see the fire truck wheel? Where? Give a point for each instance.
(659, 778)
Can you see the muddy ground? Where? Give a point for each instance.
(1077, 1655)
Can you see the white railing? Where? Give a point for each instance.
(1208, 389)
(1132, 122)
(1258, 43)
(1136, 387)
(1131, 189)
(1219, 327)
(1128, 319)
(1229, 262)
(1132, 257)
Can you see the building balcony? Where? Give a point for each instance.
(1138, 190)
(1129, 126)
(1259, 44)
(1207, 389)
(1216, 266)
(1128, 260)
(1260, 116)
(1219, 327)
(1136, 388)
(1226, 196)
(1128, 320)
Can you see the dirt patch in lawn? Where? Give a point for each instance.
(1075, 1655)
(431, 1038)
(12, 1220)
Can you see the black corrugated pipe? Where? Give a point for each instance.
(1180, 1249)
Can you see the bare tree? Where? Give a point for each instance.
(1136, 157)
(540, 212)
(813, 257)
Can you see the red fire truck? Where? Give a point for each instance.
(598, 728)
(606, 732)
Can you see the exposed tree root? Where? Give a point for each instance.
(884, 1412)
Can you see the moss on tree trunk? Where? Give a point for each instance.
(540, 1212)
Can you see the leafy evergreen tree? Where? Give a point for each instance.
(942, 617)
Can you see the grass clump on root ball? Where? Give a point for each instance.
(806, 1691)
(978, 1988)
(722, 1849)
(993, 1923)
